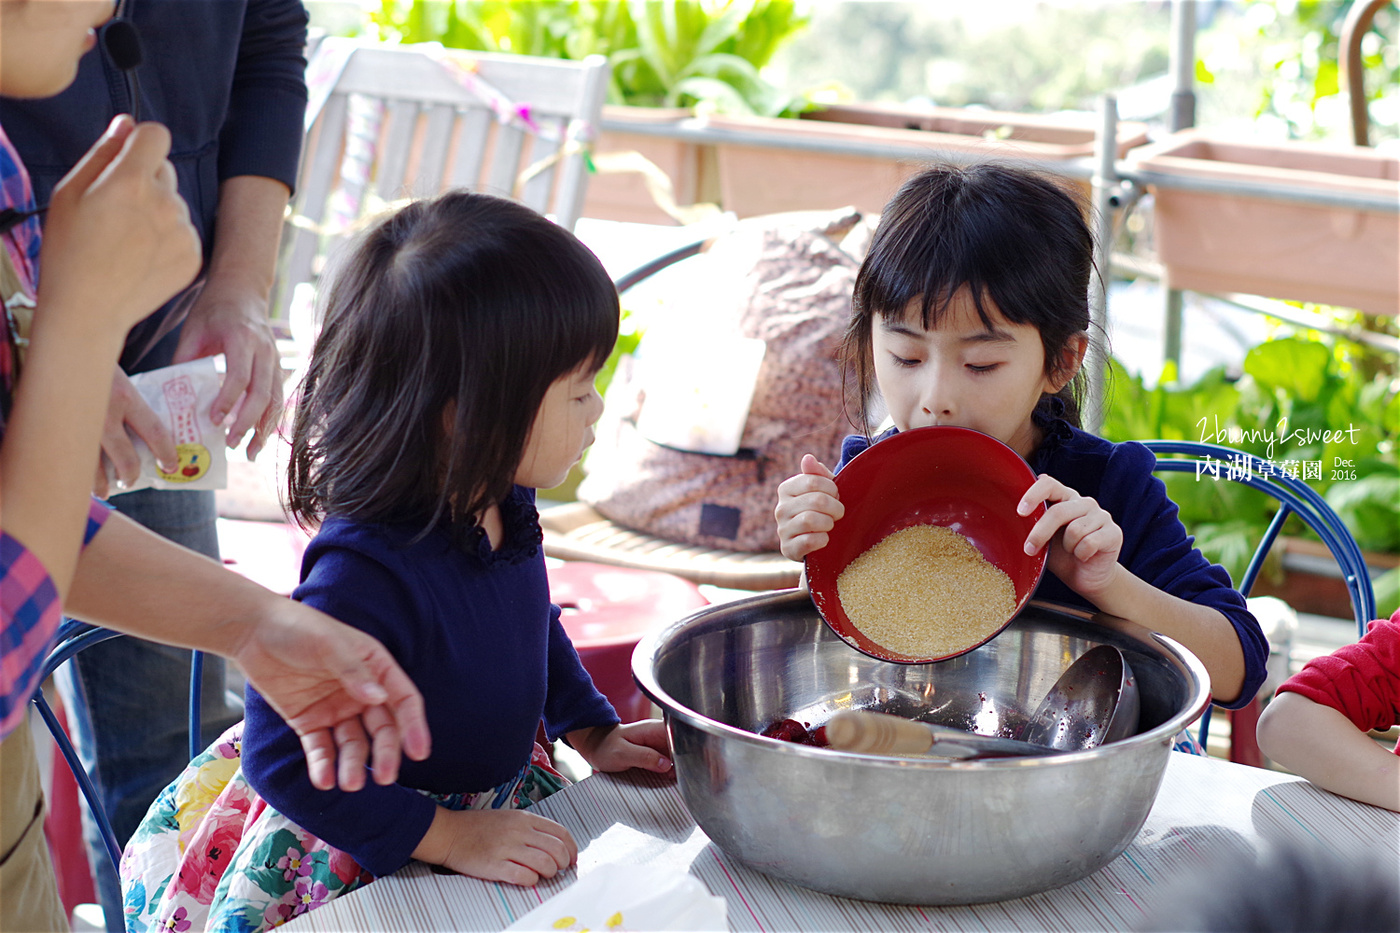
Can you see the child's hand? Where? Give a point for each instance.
(514, 846)
(633, 745)
(808, 507)
(1084, 540)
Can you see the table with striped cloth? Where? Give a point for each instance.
(1206, 808)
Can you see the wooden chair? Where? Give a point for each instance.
(1295, 497)
(577, 532)
(390, 123)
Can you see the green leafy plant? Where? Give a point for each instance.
(672, 53)
(629, 336)
(1301, 45)
(1300, 401)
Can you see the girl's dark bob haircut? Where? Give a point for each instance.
(444, 327)
(1012, 237)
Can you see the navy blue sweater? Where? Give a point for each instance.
(1156, 547)
(227, 77)
(476, 632)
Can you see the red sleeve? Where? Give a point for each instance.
(1361, 681)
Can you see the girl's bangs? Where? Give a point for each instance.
(933, 278)
(585, 329)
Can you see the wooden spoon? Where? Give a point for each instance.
(882, 734)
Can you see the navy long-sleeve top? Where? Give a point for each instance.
(226, 77)
(1156, 547)
(475, 630)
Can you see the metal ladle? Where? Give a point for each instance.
(1094, 701)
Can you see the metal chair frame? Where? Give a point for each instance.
(1295, 497)
(73, 637)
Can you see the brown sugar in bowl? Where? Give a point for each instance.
(957, 478)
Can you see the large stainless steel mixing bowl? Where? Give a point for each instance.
(913, 830)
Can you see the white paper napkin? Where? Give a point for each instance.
(619, 897)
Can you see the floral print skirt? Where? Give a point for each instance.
(1185, 742)
(212, 855)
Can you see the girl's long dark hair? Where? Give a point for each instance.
(467, 306)
(1011, 236)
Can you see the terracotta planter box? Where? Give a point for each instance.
(1235, 243)
(1312, 582)
(767, 177)
(624, 195)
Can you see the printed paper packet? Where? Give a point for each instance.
(182, 397)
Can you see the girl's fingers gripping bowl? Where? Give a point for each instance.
(926, 594)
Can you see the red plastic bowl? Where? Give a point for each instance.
(956, 477)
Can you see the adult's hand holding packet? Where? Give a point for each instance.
(182, 397)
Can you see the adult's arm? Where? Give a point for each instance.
(230, 314)
(262, 130)
(117, 243)
(337, 688)
(259, 146)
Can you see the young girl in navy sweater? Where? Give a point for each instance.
(971, 309)
(453, 377)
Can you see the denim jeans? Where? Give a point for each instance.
(128, 699)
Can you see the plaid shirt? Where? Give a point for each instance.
(29, 609)
(23, 240)
(22, 245)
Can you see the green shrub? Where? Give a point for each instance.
(1305, 401)
(663, 54)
